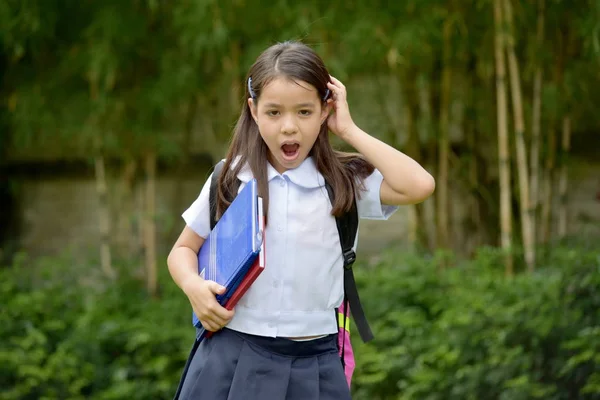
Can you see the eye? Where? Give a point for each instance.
(272, 113)
(305, 113)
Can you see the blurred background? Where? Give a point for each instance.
(113, 112)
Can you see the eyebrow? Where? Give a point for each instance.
(301, 105)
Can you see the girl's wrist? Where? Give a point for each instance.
(352, 136)
(190, 282)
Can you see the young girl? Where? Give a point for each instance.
(280, 341)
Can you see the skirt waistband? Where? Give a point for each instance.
(288, 347)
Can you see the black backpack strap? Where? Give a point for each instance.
(347, 225)
(212, 197)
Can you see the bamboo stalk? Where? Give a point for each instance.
(550, 162)
(149, 224)
(474, 218)
(503, 155)
(413, 216)
(563, 179)
(125, 234)
(103, 217)
(522, 170)
(102, 191)
(536, 128)
(546, 217)
(428, 210)
(443, 144)
(413, 147)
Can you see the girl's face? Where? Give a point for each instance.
(289, 115)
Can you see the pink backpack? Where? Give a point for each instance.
(344, 344)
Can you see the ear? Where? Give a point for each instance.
(325, 111)
(253, 110)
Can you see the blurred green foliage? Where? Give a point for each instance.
(461, 332)
(126, 77)
(468, 333)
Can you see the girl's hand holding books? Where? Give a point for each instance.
(202, 296)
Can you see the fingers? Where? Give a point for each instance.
(337, 82)
(337, 88)
(210, 325)
(215, 316)
(219, 312)
(211, 314)
(209, 309)
(215, 287)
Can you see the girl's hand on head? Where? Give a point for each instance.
(202, 296)
(339, 121)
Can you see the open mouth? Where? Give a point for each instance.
(290, 151)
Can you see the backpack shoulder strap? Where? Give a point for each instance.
(212, 196)
(347, 225)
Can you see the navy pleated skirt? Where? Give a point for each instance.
(237, 366)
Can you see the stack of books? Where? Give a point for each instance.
(233, 254)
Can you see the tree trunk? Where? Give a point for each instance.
(102, 191)
(425, 127)
(563, 179)
(413, 214)
(503, 154)
(549, 173)
(522, 170)
(413, 148)
(182, 162)
(536, 127)
(103, 217)
(150, 224)
(443, 144)
(126, 235)
(474, 222)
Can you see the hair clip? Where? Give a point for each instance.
(326, 95)
(250, 88)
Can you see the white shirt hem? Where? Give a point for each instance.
(283, 324)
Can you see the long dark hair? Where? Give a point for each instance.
(345, 172)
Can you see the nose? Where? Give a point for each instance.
(288, 125)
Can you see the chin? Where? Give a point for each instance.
(296, 163)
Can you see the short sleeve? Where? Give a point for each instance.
(369, 202)
(197, 216)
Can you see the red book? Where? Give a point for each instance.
(255, 270)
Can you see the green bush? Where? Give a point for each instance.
(461, 332)
(67, 339)
(468, 332)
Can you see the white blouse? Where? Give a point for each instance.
(302, 282)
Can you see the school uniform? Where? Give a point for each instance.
(295, 296)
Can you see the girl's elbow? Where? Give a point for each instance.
(170, 262)
(425, 188)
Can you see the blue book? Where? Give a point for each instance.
(232, 246)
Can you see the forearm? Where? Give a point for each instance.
(403, 174)
(183, 266)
